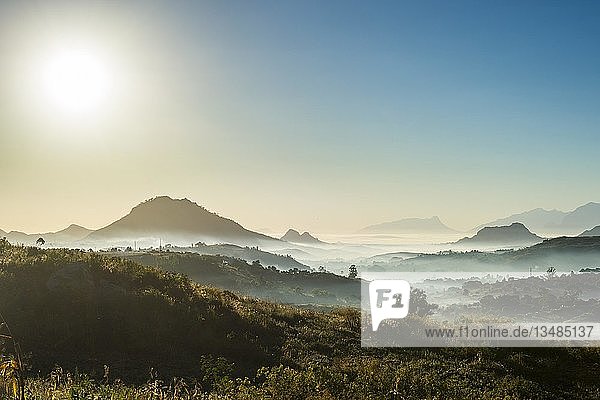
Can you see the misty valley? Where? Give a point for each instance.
(241, 314)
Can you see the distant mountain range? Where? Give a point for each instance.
(182, 221)
(409, 225)
(70, 234)
(179, 221)
(293, 236)
(563, 253)
(554, 221)
(592, 232)
(515, 234)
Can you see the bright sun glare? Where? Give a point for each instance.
(75, 81)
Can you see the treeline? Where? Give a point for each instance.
(254, 279)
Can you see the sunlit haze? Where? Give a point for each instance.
(299, 199)
(75, 82)
(323, 116)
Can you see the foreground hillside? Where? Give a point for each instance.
(266, 282)
(82, 311)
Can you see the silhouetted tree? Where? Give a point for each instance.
(419, 304)
(352, 272)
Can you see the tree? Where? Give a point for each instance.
(352, 272)
(550, 272)
(40, 241)
(419, 304)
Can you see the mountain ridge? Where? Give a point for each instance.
(293, 236)
(554, 221)
(595, 231)
(507, 235)
(178, 220)
(410, 225)
(72, 233)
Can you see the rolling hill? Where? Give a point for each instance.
(132, 317)
(262, 281)
(249, 254)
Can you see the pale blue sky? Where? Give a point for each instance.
(321, 115)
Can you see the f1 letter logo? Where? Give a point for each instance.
(389, 299)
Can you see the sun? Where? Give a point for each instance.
(75, 81)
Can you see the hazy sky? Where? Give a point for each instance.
(320, 115)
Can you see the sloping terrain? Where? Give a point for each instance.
(294, 286)
(248, 254)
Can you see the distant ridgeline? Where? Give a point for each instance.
(516, 234)
(249, 254)
(564, 253)
(176, 221)
(71, 234)
(555, 222)
(431, 225)
(293, 236)
(592, 232)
